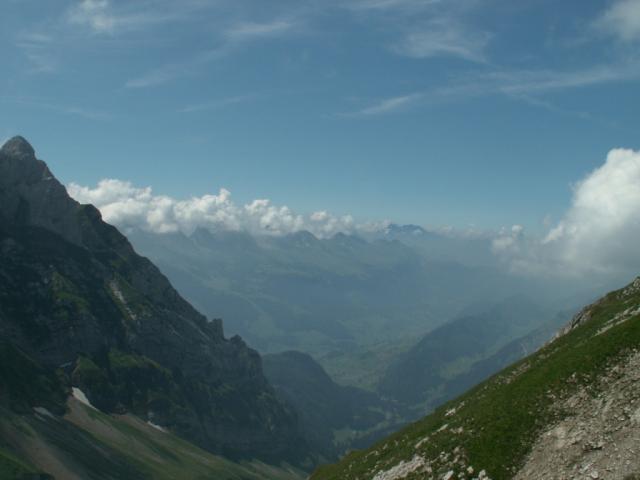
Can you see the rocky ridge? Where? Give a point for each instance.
(76, 298)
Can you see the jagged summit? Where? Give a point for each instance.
(18, 147)
(31, 195)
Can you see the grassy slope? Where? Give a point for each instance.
(91, 444)
(87, 444)
(11, 467)
(501, 418)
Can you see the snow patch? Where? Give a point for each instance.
(81, 397)
(157, 427)
(43, 411)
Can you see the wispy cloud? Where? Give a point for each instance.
(37, 49)
(391, 4)
(444, 38)
(388, 105)
(171, 71)
(94, 14)
(532, 82)
(233, 39)
(217, 104)
(523, 85)
(101, 17)
(74, 110)
(250, 30)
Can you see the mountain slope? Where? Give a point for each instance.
(68, 438)
(74, 296)
(503, 427)
(425, 374)
(335, 418)
(350, 303)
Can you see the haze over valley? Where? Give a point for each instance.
(319, 239)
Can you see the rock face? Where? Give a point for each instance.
(74, 294)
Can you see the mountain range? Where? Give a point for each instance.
(355, 304)
(107, 372)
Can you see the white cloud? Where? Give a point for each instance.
(95, 14)
(598, 234)
(101, 17)
(622, 20)
(127, 206)
(602, 227)
(444, 38)
(507, 240)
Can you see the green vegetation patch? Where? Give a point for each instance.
(65, 292)
(25, 384)
(12, 468)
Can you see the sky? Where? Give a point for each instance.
(464, 113)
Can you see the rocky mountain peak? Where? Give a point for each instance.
(31, 196)
(18, 147)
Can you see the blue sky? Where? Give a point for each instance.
(436, 112)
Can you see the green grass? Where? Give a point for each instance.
(161, 456)
(121, 360)
(12, 468)
(25, 384)
(502, 417)
(65, 291)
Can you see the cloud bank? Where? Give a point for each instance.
(598, 234)
(622, 20)
(600, 231)
(127, 206)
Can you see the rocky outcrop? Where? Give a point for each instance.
(598, 436)
(31, 195)
(74, 294)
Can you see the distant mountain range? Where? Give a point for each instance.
(372, 310)
(340, 297)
